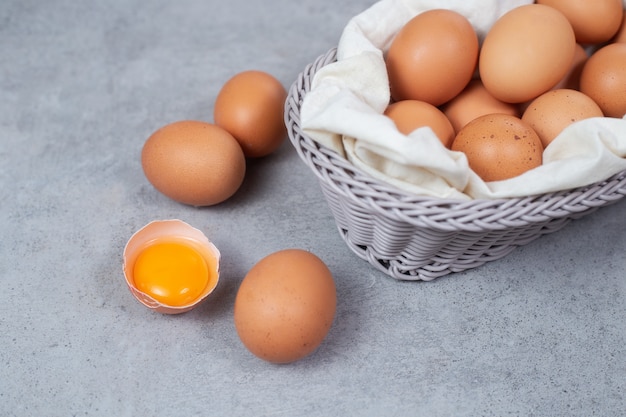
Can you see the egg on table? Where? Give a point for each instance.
(250, 106)
(194, 162)
(285, 306)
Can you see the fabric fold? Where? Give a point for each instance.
(344, 112)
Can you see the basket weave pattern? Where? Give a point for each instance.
(412, 237)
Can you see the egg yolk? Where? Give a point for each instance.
(172, 273)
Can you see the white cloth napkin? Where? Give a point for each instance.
(343, 111)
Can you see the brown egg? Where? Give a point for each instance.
(526, 52)
(603, 78)
(285, 306)
(409, 115)
(620, 36)
(554, 110)
(433, 57)
(499, 146)
(571, 80)
(194, 162)
(593, 21)
(475, 101)
(250, 106)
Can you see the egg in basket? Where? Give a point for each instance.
(419, 208)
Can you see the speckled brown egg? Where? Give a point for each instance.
(603, 78)
(285, 306)
(250, 106)
(499, 146)
(194, 162)
(553, 111)
(409, 115)
(433, 57)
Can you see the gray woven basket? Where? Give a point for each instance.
(413, 237)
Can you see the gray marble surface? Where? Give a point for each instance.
(541, 332)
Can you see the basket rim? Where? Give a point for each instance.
(337, 173)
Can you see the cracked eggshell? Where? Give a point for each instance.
(174, 230)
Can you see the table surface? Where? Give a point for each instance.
(540, 332)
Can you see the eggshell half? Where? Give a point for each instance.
(175, 230)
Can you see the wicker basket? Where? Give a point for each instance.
(412, 237)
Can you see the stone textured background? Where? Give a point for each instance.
(83, 84)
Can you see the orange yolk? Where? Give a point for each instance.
(172, 273)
